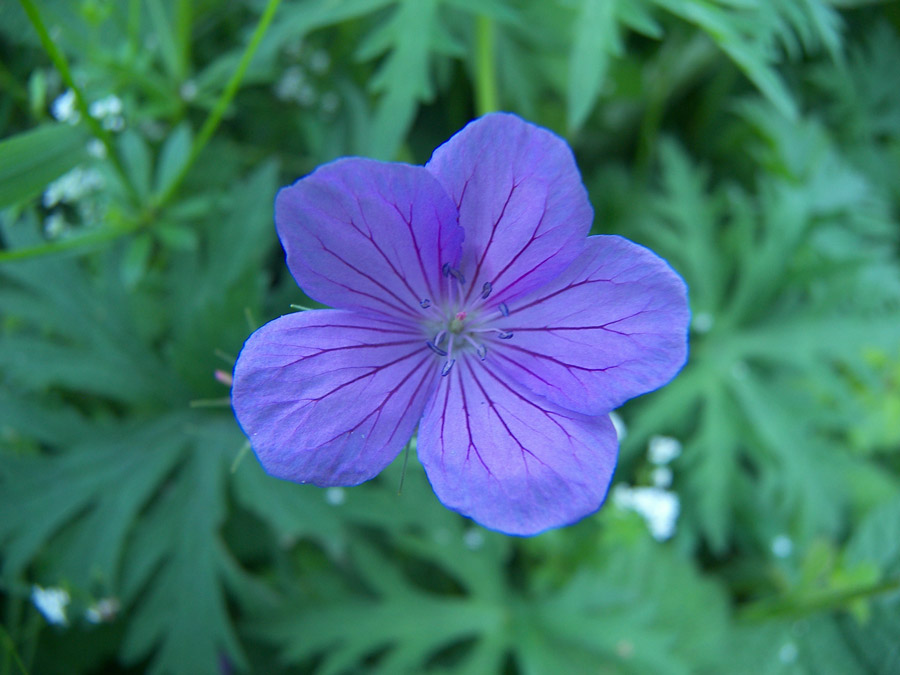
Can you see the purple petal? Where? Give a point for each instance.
(331, 397)
(365, 234)
(521, 203)
(513, 463)
(611, 327)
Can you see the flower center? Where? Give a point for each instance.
(456, 323)
(463, 323)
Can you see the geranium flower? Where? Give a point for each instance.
(470, 302)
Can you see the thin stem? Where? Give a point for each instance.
(486, 99)
(62, 65)
(227, 95)
(830, 600)
(183, 19)
(12, 654)
(80, 242)
(206, 132)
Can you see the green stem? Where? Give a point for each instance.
(792, 607)
(206, 132)
(486, 99)
(62, 65)
(74, 243)
(9, 647)
(215, 116)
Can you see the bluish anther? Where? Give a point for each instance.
(437, 350)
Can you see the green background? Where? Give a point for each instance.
(754, 144)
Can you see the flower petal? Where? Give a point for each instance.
(365, 234)
(513, 463)
(612, 326)
(331, 397)
(521, 203)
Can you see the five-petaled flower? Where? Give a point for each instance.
(470, 302)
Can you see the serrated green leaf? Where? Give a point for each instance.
(403, 77)
(77, 333)
(94, 490)
(174, 579)
(31, 160)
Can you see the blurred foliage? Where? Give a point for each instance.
(754, 144)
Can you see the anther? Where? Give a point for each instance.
(425, 304)
(504, 335)
(456, 274)
(445, 270)
(486, 290)
(437, 350)
(482, 352)
(504, 310)
(447, 366)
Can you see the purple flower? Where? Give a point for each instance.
(470, 302)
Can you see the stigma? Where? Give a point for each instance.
(462, 321)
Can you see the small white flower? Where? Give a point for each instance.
(288, 85)
(782, 546)
(335, 496)
(63, 108)
(657, 507)
(103, 610)
(663, 449)
(788, 653)
(95, 148)
(702, 322)
(55, 224)
(109, 111)
(72, 186)
(52, 603)
(188, 90)
(619, 424)
(319, 61)
(661, 477)
(473, 539)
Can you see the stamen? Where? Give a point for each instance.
(425, 304)
(486, 290)
(480, 349)
(437, 350)
(447, 366)
(456, 274)
(439, 338)
(504, 310)
(445, 270)
(504, 335)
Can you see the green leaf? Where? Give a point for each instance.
(172, 157)
(165, 33)
(137, 160)
(108, 478)
(596, 40)
(76, 332)
(174, 577)
(136, 259)
(32, 159)
(403, 76)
